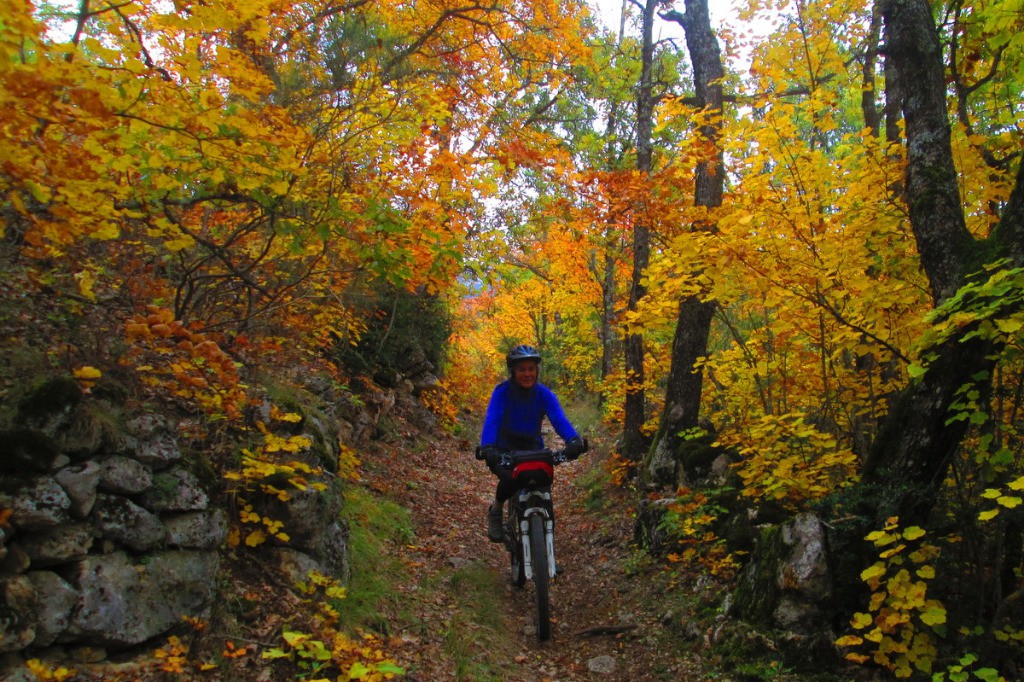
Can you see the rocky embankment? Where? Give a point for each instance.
(109, 537)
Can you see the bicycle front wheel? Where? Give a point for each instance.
(539, 557)
(515, 550)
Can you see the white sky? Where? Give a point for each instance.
(610, 10)
(723, 13)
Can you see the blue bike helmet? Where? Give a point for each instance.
(522, 352)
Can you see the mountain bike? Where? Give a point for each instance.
(530, 525)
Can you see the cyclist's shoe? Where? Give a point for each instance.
(495, 533)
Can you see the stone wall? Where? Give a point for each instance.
(104, 542)
(108, 539)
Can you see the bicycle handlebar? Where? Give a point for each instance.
(508, 459)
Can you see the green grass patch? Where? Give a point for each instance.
(585, 415)
(594, 483)
(476, 637)
(372, 600)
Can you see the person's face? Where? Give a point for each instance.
(524, 373)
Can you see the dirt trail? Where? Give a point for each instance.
(601, 629)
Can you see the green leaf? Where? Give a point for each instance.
(978, 418)
(913, 533)
(358, 671)
(1010, 326)
(1004, 457)
(988, 515)
(861, 620)
(294, 638)
(935, 615)
(318, 651)
(876, 571)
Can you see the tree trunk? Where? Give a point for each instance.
(693, 326)
(604, 274)
(932, 193)
(1009, 233)
(916, 443)
(633, 441)
(607, 313)
(868, 100)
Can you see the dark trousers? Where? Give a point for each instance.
(505, 490)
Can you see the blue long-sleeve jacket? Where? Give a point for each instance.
(514, 417)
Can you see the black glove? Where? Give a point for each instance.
(491, 455)
(575, 447)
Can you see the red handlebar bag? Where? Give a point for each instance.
(530, 472)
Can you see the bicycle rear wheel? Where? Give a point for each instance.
(539, 557)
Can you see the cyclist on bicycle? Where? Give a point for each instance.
(513, 422)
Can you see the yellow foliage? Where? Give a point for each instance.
(261, 472)
(45, 673)
(86, 376)
(189, 365)
(439, 401)
(687, 522)
(792, 461)
(1002, 498)
(330, 651)
(173, 656)
(255, 538)
(348, 463)
(238, 174)
(901, 616)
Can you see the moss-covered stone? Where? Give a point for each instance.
(785, 595)
(674, 461)
(95, 425)
(317, 421)
(788, 582)
(23, 449)
(697, 455)
(850, 514)
(757, 593)
(752, 654)
(52, 400)
(58, 408)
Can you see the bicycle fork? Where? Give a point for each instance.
(549, 541)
